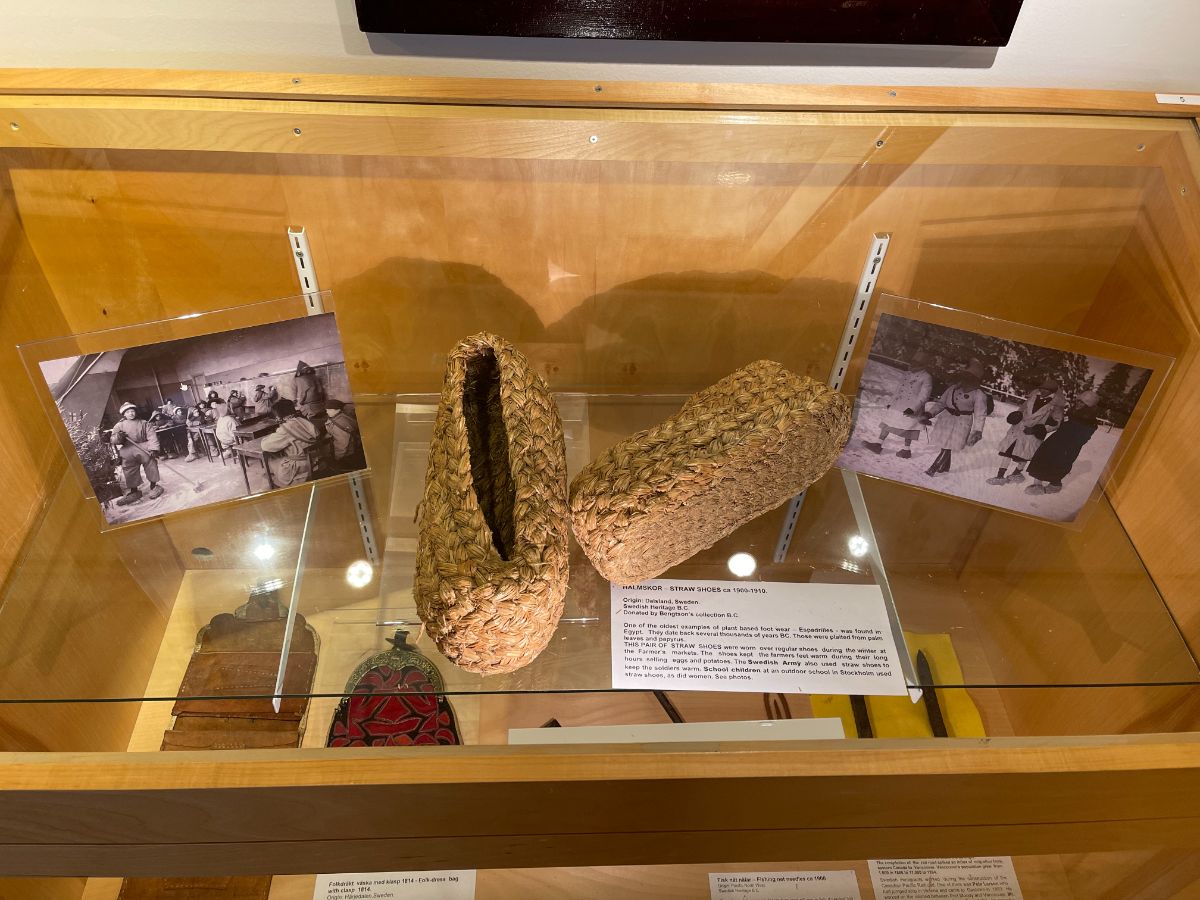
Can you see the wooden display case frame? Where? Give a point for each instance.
(226, 813)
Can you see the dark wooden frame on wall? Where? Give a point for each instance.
(975, 23)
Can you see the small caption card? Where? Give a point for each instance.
(963, 878)
(765, 636)
(837, 885)
(444, 885)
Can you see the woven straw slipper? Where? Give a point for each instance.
(733, 452)
(493, 546)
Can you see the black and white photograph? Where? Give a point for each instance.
(1012, 424)
(180, 424)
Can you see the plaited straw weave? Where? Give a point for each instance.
(734, 451)
(493, 546)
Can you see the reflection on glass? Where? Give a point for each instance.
(742, 564)
(359, 573)
(263, 550)
(858, 545)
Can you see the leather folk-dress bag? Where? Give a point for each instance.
(493, 534)
(394, 699)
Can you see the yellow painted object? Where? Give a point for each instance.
(899, 717)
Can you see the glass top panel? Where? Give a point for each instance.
(644, 263)
(1023, 604)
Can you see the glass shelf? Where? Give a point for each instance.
(1024, 604)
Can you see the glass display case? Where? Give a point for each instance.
(637, 243)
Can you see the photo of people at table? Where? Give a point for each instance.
(180, 424)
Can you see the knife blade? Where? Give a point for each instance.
(862, 717)
(933, 709)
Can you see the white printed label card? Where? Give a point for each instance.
(957, 878)
(841, 884)
(443, 885)
(765, 636)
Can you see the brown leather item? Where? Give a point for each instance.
(249, 887)
(232, 723)
(237, 684)
(224, 739)
(229, 633)
(236, 661)
(237, 654)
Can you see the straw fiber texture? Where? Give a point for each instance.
(734, 451)
(493, 547)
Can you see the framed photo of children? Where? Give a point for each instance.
(1021, 418)
(177, 424)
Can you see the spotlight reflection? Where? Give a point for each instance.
(359, 573)
(742, 564)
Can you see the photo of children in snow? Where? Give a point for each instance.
(1003, 422)
(189, 422)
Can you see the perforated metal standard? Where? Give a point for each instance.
(307, 273)
(855, 321)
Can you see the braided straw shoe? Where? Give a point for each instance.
(734, 451)
(493, 547)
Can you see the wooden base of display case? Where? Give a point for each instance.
(289, 812)
(1070, 877)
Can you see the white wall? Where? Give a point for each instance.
(1146, 45)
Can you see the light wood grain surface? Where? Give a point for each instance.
(643, 848)
(28, 461)
(1118, 875)
(519, 92)
(1131, 875)
(1158, 273)
(1100, 754)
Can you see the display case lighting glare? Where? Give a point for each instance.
(858, 545)
(263, 551)
(359, 573)
(742, 564)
